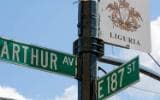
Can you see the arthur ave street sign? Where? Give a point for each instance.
(118, 79)
(37, 57)
(125, 23)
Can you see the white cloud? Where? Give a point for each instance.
(115, 97)
(134, 94)
(155, 29)
(8, 92)
(70, 93)
(148, 83)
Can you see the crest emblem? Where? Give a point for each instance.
(124, 16)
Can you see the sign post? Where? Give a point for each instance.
(118, 79)
(88, 48)
(37, 57)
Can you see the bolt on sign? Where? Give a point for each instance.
(37, 57)
(125, 23)
(118, 79)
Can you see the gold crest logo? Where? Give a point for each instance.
(124, 16)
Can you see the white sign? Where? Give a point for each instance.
(125, 23)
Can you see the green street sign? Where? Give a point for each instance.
(37, 57)
(118, 79)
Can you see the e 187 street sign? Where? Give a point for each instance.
(37, 57)
(118, 79)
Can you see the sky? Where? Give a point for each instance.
(53, 24)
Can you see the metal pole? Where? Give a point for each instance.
(88, 48)
(87, 83)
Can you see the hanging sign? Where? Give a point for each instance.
(125, 23)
